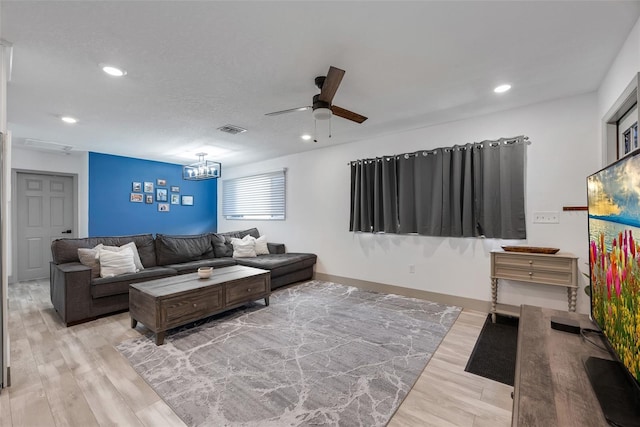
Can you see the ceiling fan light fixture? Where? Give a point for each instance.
(69, 119)
(113, 71)
(322, 113)
(502, 88)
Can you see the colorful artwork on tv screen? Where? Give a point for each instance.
(614, 257)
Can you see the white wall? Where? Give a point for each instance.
(624, 67)
(564, 150)
(76, 163)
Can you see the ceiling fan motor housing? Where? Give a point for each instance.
(321, 109)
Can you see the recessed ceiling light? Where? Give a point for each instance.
(70, 120)
(502, 88)
(306, 137)
(113, 71)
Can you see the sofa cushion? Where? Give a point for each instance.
(221, 248)
(179, 249)
(66, 250)
(108, 286)
(280, 264)
(239, 234)
(192, 267)
(253, 232)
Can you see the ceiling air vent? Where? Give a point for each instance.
(233, 130)
(46, 145)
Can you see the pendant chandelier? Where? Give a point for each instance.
(202, 169)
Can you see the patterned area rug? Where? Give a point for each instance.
(320, 354)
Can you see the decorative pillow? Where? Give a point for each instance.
(261, 244)
(88, 257)
(130, 245)
(114, 263)
(244, 248)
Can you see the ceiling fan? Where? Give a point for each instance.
(322, 108)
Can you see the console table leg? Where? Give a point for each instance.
(134, 322)
(572, 294)
(494, 299)
(266, 301)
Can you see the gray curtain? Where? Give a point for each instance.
(462, 191)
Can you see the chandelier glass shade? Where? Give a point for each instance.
(202, 169)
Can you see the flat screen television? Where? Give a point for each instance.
(613, 197)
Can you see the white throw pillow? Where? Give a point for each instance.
(130, 245)
(261, 246)
(244, 248)
(114, 263)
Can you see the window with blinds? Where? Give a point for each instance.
(255, 197)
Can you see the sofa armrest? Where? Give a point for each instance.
(276, 248)
(71, 291)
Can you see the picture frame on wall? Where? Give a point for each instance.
(136, 197)
(161, 194)
(136, 187)
(148, 198)
(163, 207)
(148, 187)
(161, 182)
(175, 199)
(175, 189)
(187, 200)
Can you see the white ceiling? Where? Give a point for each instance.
(195, 66)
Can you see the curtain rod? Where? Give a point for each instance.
(511, 140)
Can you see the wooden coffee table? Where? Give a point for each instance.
(166, 303)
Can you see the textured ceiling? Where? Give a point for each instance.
(195, 66)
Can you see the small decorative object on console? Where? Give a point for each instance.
(205, 272)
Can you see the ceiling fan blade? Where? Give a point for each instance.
(290, 110)
(330, 85)
(346, 114)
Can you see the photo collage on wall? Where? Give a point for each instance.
(147, 192)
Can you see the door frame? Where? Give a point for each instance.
(14, 212)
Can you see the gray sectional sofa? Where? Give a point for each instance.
(78, 296)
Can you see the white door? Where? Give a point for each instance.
(44, 213)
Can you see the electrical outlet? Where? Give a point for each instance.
(412, 268)
(546, 218)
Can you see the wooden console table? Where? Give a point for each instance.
(560, 269)
(551, 384)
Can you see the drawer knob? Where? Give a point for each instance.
(530, 274)
(195, 305)
(530, 262)
(249, 290)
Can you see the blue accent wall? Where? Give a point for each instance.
(111, 213)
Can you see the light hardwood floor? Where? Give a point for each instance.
(75, 377)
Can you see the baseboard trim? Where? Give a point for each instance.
(467, 303)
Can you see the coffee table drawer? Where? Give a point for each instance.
(185, 308)
(247, 290)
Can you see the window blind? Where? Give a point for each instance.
(255, 197)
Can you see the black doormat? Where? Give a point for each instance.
(494, 355)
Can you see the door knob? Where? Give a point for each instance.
(66, 232)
